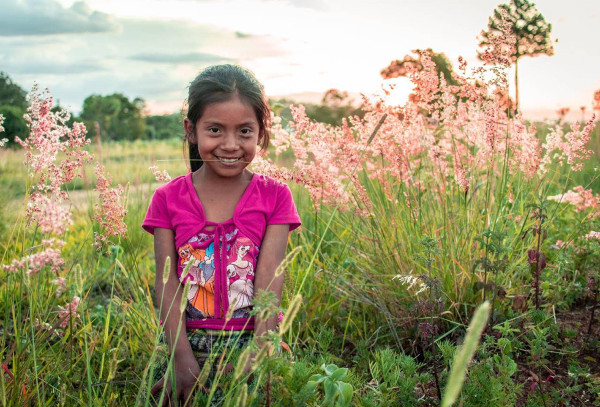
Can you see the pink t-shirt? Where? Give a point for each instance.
(220, 278)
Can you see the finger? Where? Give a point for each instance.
(157, 387)
(167, 400)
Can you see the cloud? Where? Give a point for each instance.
(187, 58)
(48, 17)
(239, 34)
(56, 68)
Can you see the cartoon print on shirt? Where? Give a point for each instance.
(240, 273)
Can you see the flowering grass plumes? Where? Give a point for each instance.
(160, 176)
(4, 140)
(111, 210)
(68, 314)
(462, 132)
(581, 198)
(592, 235)
(34, 263)
(49, 135)
(570, 146)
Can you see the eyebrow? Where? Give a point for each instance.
(248, 123)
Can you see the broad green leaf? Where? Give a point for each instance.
(339, 373)
(346, 391)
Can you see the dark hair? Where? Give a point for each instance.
(219, 83)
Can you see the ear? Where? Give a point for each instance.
(190, 133)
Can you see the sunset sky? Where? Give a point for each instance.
(153, 49)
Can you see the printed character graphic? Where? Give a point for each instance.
(201, 277)
(241, 274)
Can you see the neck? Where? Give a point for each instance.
(208, 177)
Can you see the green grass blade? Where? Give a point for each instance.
(465, 354)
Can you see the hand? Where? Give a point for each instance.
(187, 371)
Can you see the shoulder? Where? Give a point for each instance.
(269, 185)
(176, 185)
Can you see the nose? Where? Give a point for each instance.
(229, 142)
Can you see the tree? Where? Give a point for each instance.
(13, 106)
(527, 24)
(402, 67)
(118, 117)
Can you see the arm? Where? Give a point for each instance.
(272, 253)
(168, 297)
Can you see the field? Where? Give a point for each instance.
(412, 217)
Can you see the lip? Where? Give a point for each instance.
(228, 163)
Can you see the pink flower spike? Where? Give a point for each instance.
(68, 313)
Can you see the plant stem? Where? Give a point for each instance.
(594, 305)
(537, 263)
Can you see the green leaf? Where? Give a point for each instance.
(346, 391)
(330, 392)
(339, 373)
(329, 369)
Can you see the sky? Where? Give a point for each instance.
(153, 49)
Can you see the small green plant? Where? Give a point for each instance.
(337, 391)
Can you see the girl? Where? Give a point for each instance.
(220, 208)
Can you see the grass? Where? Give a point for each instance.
(397, 340)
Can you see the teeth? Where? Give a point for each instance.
(228, 160)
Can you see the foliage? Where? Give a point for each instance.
(118, 118)
(161, 127)
(412, 64)
(337, 392)
(529, 28)
(12, 106)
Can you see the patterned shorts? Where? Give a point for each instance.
(206, 343)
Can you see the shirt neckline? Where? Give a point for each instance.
(200, 207)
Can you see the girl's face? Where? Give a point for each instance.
(242, 251)
(227, 135)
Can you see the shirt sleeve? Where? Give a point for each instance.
(158, 213)
(285, 211)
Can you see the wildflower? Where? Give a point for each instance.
(61, 285)
(50, 213)
(110, 212)
(48, 136)
(34, 263)
(592, 235)
(1, 122)
(160, 176)
(582, 199)
(68, 313)
(410, 282)
(570, 146)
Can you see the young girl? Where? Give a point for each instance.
(232, 225)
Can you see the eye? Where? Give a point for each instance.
(213, 130)
(246, 132)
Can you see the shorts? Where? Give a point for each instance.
(207, 345)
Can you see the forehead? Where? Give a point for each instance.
(234, 110)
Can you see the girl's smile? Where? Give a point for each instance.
(227, 135)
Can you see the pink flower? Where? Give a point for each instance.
(61, 285)
(34, 263)
(111, 210)
(68, 313)
(582, 199)
(592, 235)
(48, 136)
(160, 176)
(51, 212)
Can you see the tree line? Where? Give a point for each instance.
(115, 117)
